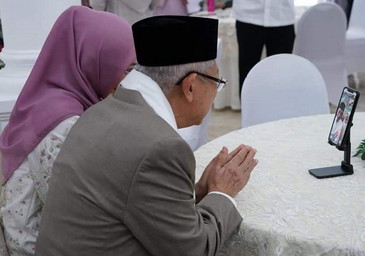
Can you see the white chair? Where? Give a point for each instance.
(282, 86)
(320, 38)
(355, 38)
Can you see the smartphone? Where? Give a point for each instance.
(342, 120)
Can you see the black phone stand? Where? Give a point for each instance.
(345, 168)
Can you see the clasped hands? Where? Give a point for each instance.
(227, 172)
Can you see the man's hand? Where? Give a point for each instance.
(227, 173)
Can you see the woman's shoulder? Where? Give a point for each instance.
(62, 129)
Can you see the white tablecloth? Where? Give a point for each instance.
(285, 210)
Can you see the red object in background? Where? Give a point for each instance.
(1, 47)
(211, 6)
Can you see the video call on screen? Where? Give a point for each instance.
(342, 116)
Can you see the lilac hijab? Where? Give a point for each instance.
(82, 59)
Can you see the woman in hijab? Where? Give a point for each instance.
(84, 58)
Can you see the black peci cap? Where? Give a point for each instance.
(172, 40)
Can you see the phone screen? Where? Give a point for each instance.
(343, 117)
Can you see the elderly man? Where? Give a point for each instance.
(125, 185)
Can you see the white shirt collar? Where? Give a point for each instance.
(152, 94)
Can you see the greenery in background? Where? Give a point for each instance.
(360, 150)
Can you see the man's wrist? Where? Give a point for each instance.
(200, 192)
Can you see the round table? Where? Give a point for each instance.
(285, 210)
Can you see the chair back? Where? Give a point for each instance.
(320, 38)
(355, 38)
(282, 86)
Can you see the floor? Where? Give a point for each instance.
(226, 120)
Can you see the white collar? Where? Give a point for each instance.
(152, 94)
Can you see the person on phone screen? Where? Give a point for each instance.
(338, 124)
(343, 130)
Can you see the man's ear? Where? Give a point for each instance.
(188, 87)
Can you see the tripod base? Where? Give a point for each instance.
(333, 171)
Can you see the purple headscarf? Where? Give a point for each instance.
(82, 59)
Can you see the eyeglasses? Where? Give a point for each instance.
(221, 82)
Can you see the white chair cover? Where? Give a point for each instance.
(355, 38)
(320, 38)
(282, 86)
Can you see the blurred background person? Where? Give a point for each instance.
(260, 23)
(85, 3)
(2, 64)
(171, 7)
(131, 10)
(346, 5)
(223, 4)
(194, 6)
(99, 5)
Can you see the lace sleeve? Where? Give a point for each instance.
(43, 156)
(51, 146)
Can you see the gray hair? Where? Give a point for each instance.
(167, 76)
